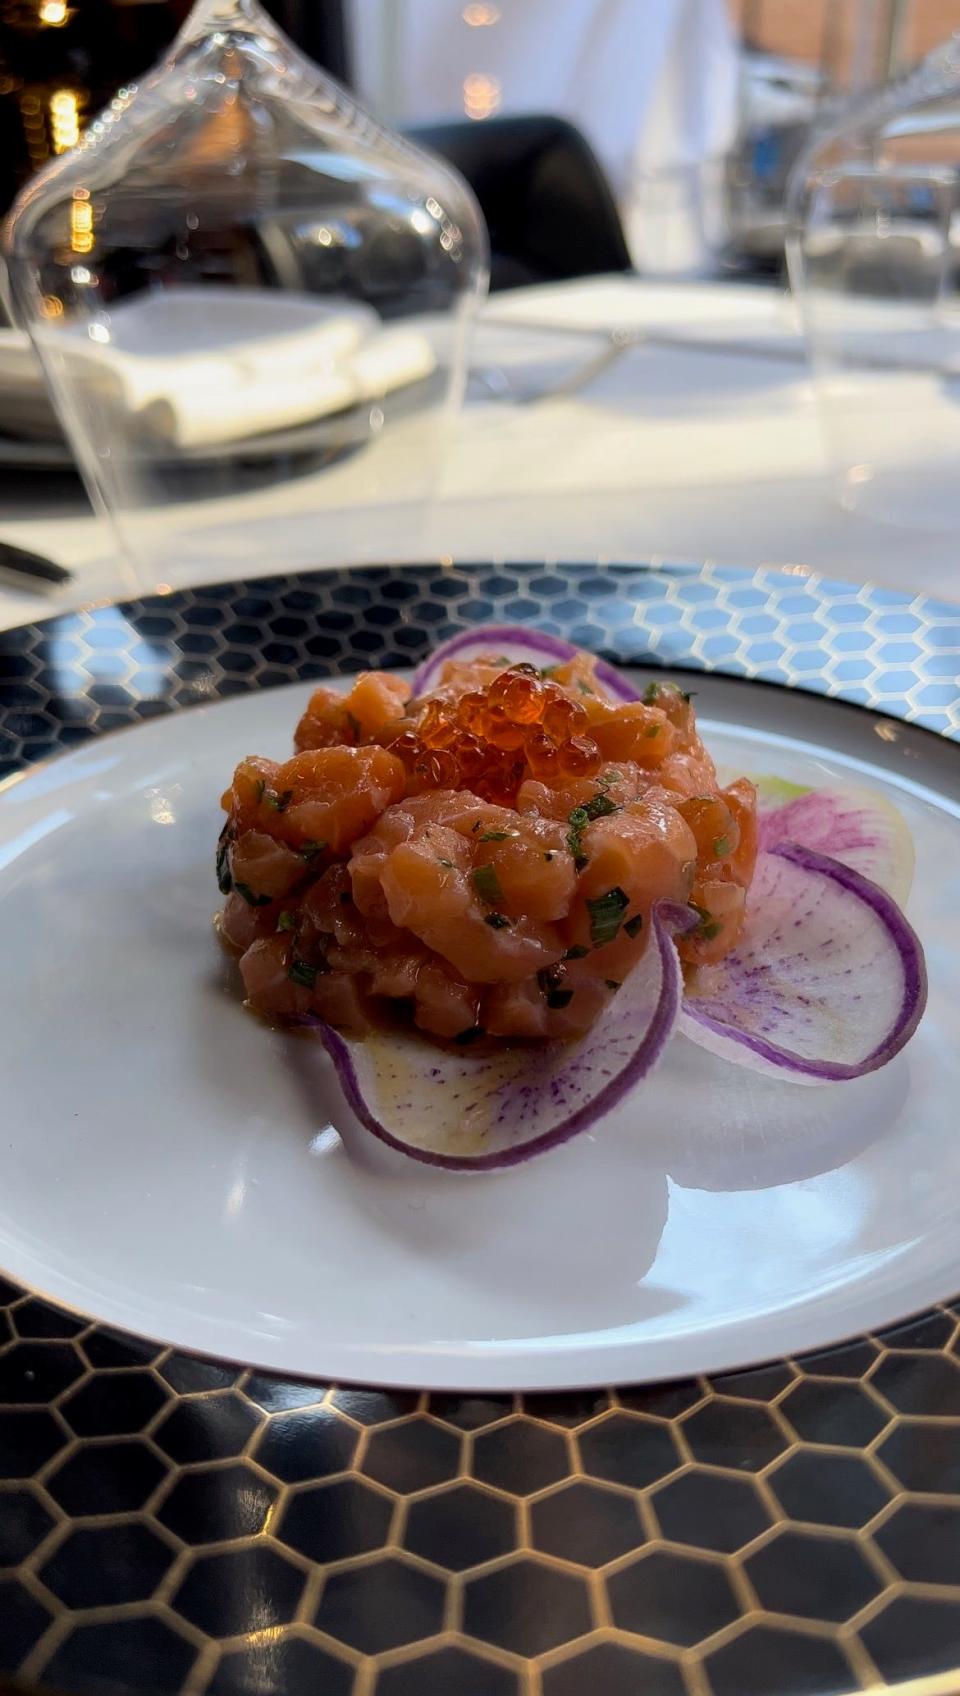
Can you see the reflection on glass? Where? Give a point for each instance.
(236, 280)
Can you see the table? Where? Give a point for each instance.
(172, 1524)
(701, 444)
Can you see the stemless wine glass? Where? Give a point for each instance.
(875, 264)
(251, 302)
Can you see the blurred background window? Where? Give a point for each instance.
(695, 109)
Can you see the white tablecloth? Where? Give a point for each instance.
(700, 443)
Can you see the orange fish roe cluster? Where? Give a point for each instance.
(482, 860)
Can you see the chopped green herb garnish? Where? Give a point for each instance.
(650, 694)
(721, 847)
(356, 728)
(578, 821)
(551, 981)
(549, 670)
(709, 927)
(577, 952)
(608, 777)
(611, 983)
(688, 694)
(496, 921)
(447, 863)
(499, 835)
(606, 915)
(286, 920)
(600, 806)
(261, 786)
(279, 803)
(652, 730)
(487, 885)
(464, 1038)
(584, 688)
(301, 973)
(632, 926)
(310, 850)
(224, 844)
(249, 897)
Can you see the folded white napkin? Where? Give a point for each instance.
(204, 367)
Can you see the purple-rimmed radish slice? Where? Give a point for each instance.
(858, 827)
(827, 983)
(515, 644)
(470, 1111)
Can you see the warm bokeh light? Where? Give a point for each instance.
(53, 13)
(64, 120)
(481, 95)
(81, 225)
(51, 306)
(479, 16)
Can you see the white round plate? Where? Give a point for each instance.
(167, 1165)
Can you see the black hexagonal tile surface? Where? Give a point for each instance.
(672, 1598)
(460, 1527)
(289, 1666)
(294, 1534)
(381, 1606)
(526, 1606)
(239, 1590)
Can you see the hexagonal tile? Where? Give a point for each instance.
(294, 1665)
(239, 1590)
(825, 1578)
(375, 1407)
(912, 1637)
(106, 1406)
(914, 1383)
(526, 1607)
(848, 1360)
(214, 1427)
(447, 1672)
(106, 1477)
(828, 1489)
(930, 1331)
(611, 1669)
(767, 1658)
(460, 1527)
(567, 1408)
(34, 1318)
(837, 1413)
(922, 1540)
(114, 1654)
(662, 1401)
(24, 1622)
(733, 1434)
(24, 1523)
(625, 1450)
(924, 1455)
(104, 1348)
(381, 1606)
(27, 1441)
(759, 1384)
(217, 1504)
(710, 1510)
(38, 1372)
(282, 1395)
(586, 1523)
(470, 1413)
(100, 1566)
(520, 1457)
(672, 1598)
(412, 1456)
(307, 1443)
(188, 1374)
(336, 1520)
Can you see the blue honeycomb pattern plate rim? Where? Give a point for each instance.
(173, 1524)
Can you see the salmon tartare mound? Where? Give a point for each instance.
(481, 860)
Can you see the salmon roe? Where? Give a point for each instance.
(483, 860)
